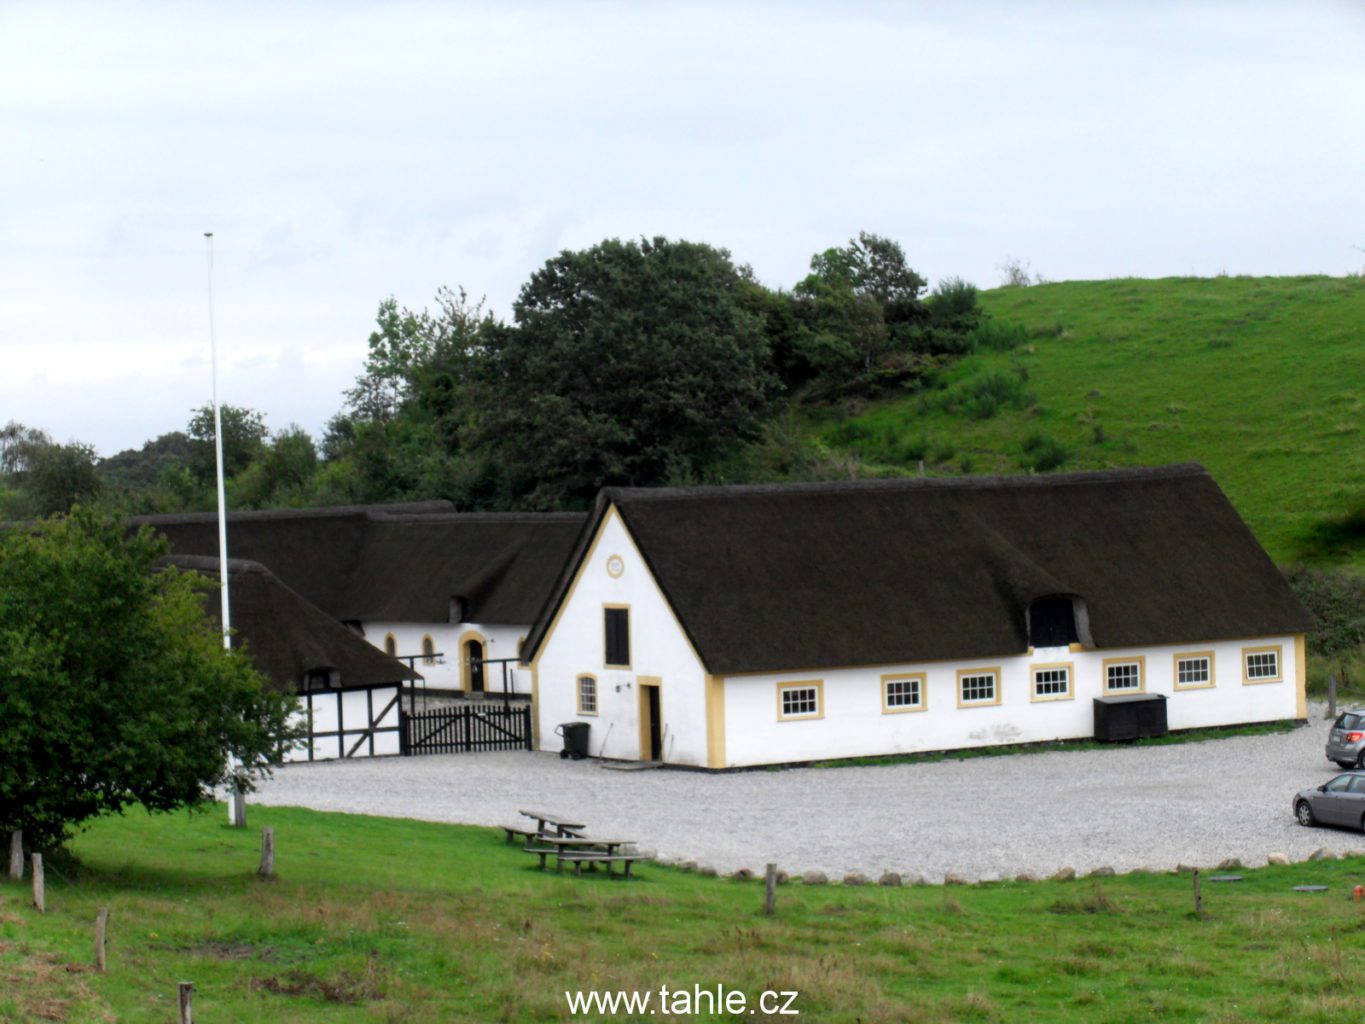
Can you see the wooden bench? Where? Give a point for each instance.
(513, 831)
(578, 859)
(542, 852)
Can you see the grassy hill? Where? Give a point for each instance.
(1260, 379)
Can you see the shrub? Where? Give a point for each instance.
(953, 300)
(998, 335)
(1042, 453)
(984, 396)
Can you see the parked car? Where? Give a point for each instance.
(1346, 741)
(1340, 801)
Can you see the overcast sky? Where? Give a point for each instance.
(343, 152)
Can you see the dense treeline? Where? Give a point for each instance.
(639, 362)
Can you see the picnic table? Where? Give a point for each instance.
(580, 850)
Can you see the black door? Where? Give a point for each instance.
(656, 737)
(474, 652)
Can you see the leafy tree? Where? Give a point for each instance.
(1336, 598)
(244, 434)
(629, 363)
(116, 689)
(60, 476)
(281, 474)
(138, 469)
(17, 445)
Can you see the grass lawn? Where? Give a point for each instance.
(1257, 378)
(392, 920)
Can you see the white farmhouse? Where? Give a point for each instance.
(450, 594)
(722, 627)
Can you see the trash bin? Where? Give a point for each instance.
(1130, 716)
(575, 739)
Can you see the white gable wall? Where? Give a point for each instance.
(575, 646)
(854, 724)
(449, 639)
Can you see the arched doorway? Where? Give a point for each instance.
(471, 664)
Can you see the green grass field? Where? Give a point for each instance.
(389, 920)
(1260, 379)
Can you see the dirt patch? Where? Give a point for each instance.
(348, 988)
(233, 951)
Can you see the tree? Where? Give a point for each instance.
(114, 686)
(281, 474)
(60, 476)
(630, 363)
(244, 434)
(17, 445)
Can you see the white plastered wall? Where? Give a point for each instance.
(449, 639)
(854, 723)
(575, 646)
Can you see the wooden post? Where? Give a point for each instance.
(1332, 696)
(267, 869)
(101, 921)
(186, 997)
(1198, 897)
(16, 854)
(238, 808)
(38, 895)
(769, 889)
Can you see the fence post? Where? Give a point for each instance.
(16, 854)
(238, 808)
(101, 922)
(1198, 897)
(526, 724)
(267, 868)
(769, 889)
(1332, 695)
(185, 996)
(39, 895)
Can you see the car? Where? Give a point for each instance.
(1339, 801)
(1346, 741)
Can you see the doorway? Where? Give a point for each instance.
(473, 658)
(651, 721)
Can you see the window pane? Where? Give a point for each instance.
(1192, 671)
(800, 700)
(616, 622)
(1125, 676)
(978, 687)
(1051, 682)
(587, 695)
(1263, 665)
(902, 693)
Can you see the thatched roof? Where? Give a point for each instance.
(285, 636)
(395, 563)
(804, 576)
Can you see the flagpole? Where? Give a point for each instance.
(218, 455)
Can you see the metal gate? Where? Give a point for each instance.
(353, 721)
(459, 729)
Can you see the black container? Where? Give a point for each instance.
(1131, 716)
(575, 739)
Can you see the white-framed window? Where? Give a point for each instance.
(800, 700)
(1123, 675)
(1052, 682)
(978, 686)
(1194, 671)
(587, 695)
(903, 692)
(1261, 664)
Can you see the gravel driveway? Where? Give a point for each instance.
(1194, 803)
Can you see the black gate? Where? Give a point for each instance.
(462, 728)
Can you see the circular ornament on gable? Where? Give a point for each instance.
(615, 566)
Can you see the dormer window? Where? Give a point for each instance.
(1052, 622)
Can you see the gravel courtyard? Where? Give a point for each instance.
(1194, 803)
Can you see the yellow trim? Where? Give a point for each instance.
(390, 645)
(643, 683)
(900, 677)
(466, 675)
(803, 684)
(629, 639)
(428, 645)
(1075, 648)
(1279, 664)
(1141, 660)
(1180, 656)
(1301, 674)
(715, 721)
(1070, 694)
(578, 693)
(607, 563)
(984, 670)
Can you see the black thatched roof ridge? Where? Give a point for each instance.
(434, 506)
(395, 563)
(788, 577)
(285, 636)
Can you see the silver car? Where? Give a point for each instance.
(1346, 743)
(1340, 801)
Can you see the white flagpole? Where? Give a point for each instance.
(218, 453)
(234, 805)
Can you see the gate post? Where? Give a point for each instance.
(526, 725)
